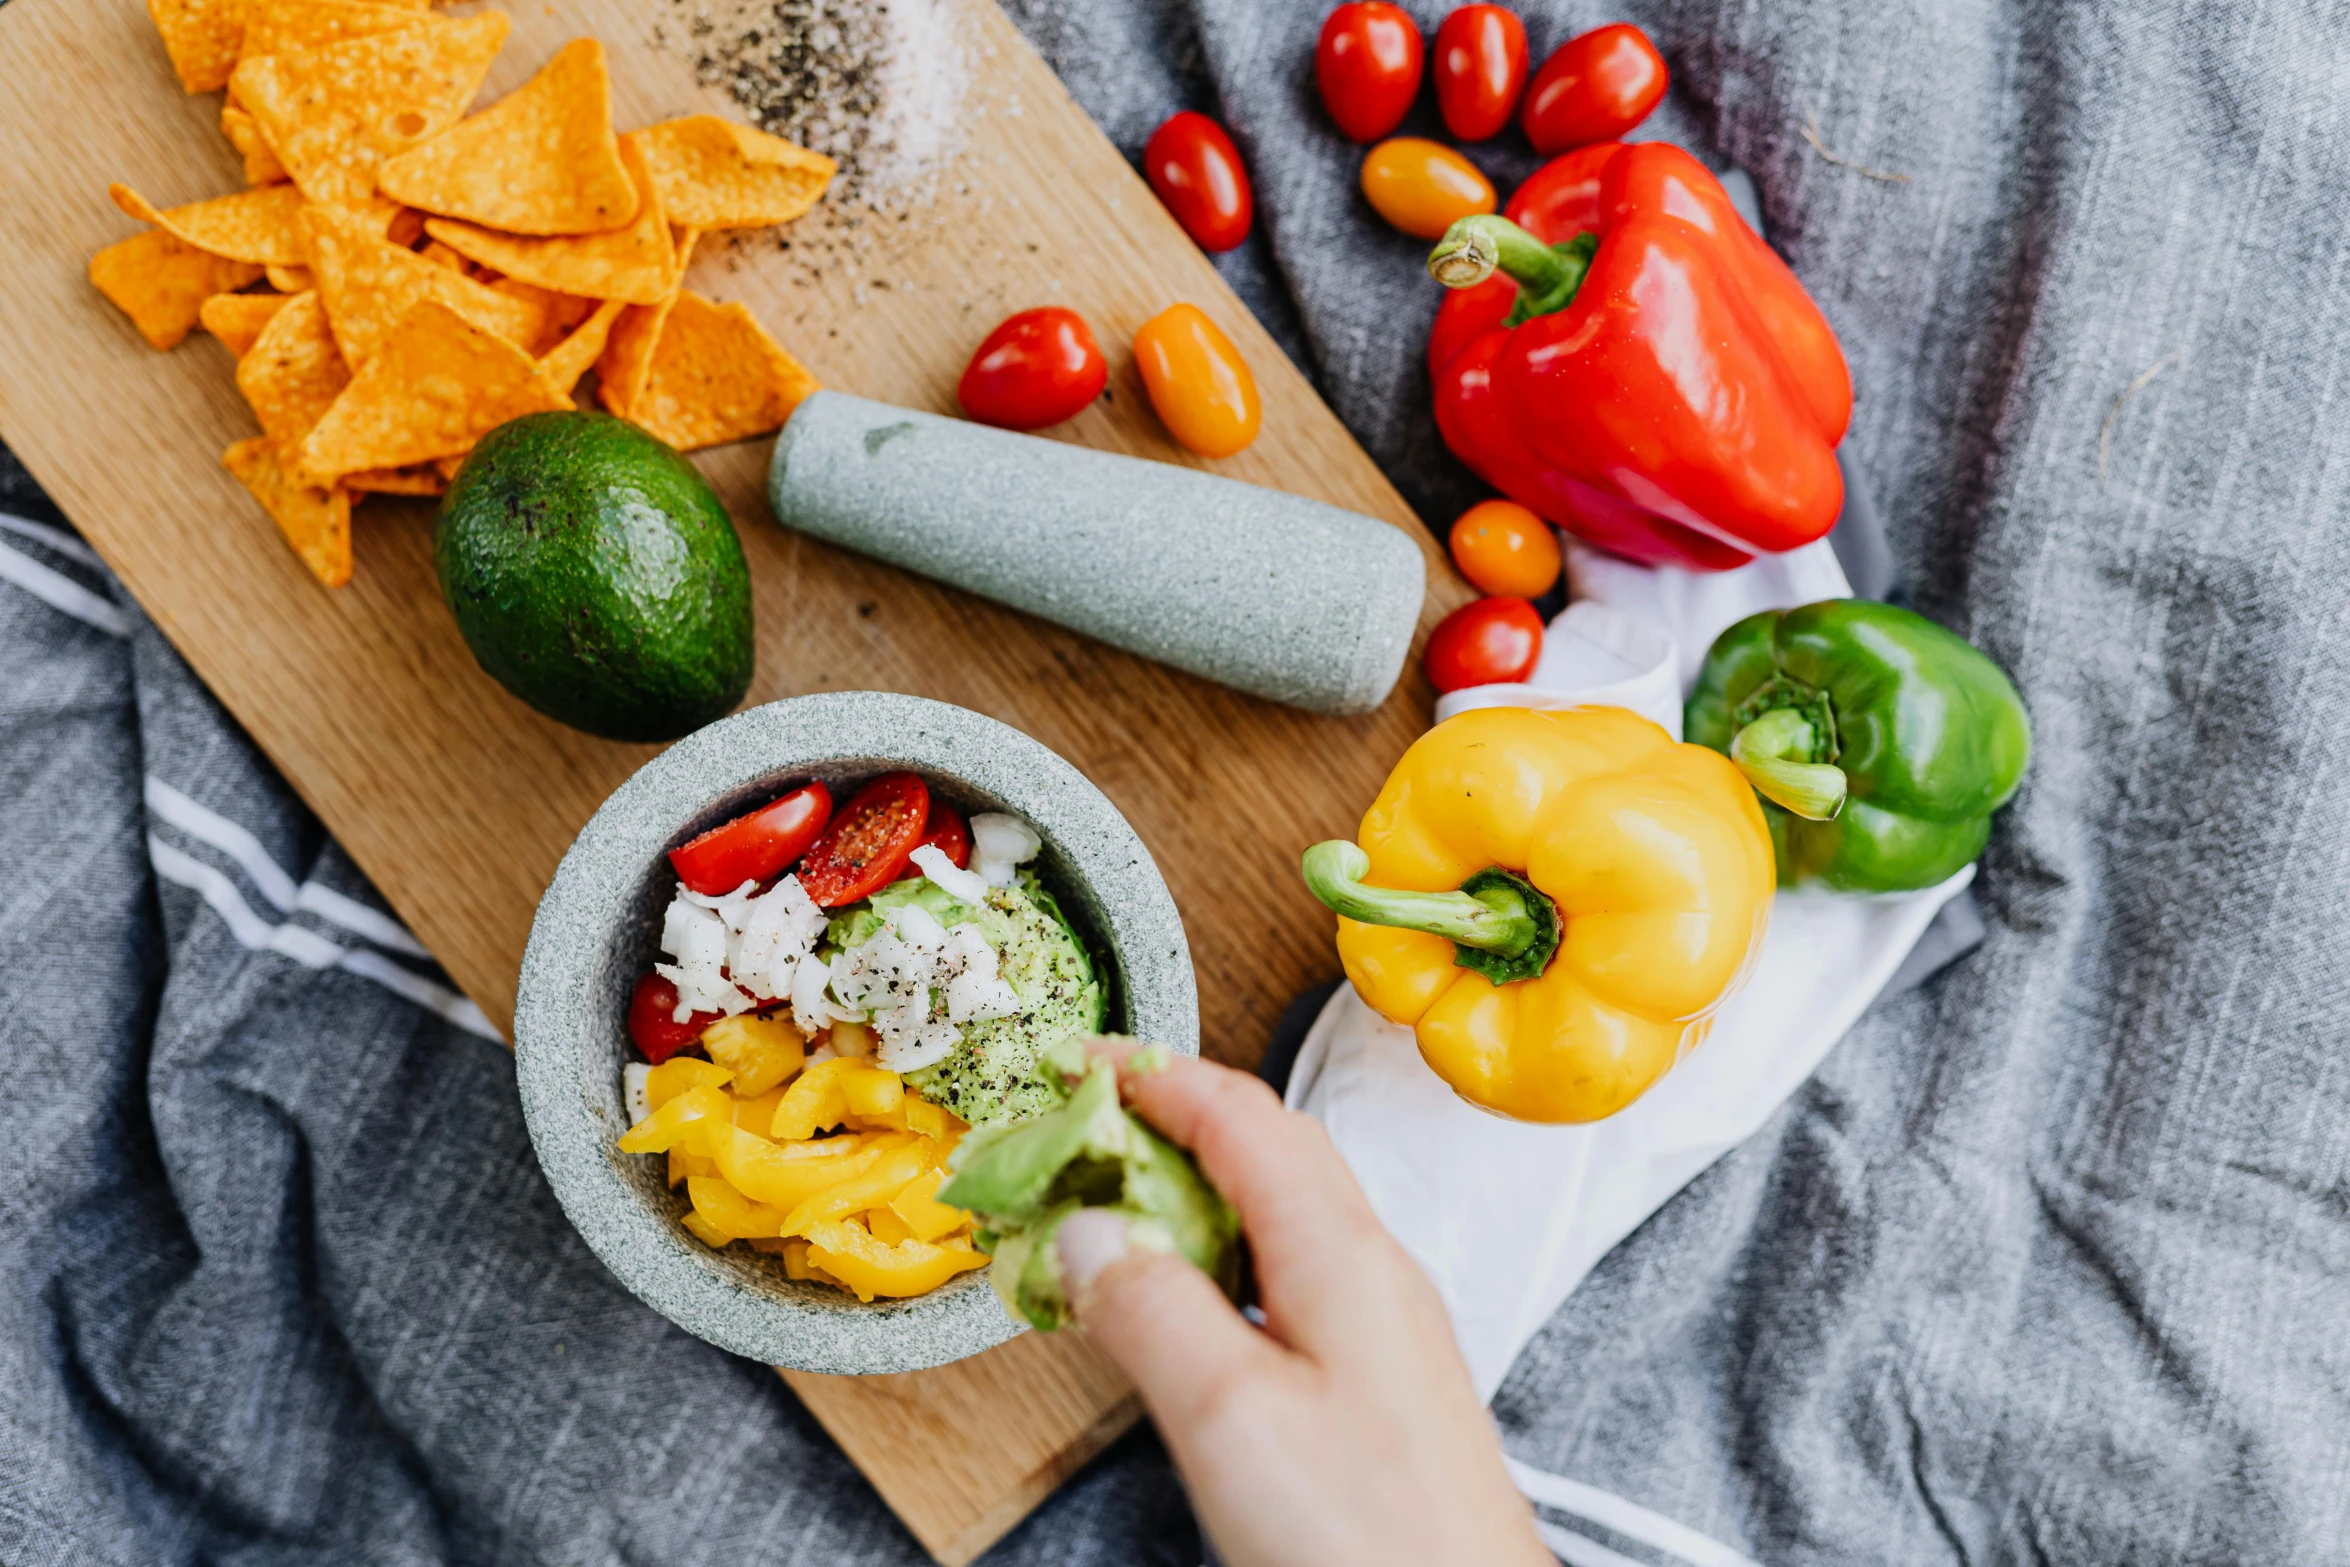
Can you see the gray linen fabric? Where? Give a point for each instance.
(2050, 1262)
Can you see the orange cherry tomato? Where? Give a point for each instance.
(1197, 381)
(1197, 172)
(1594, 87)
(1480, 67)
(1367, 63)
(1503, 548)
(1423, 187)
(1490, 642)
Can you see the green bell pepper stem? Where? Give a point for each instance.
(1479, 245)
(1765, 752)
(1496, 920)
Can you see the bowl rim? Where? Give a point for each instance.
(570, 1045)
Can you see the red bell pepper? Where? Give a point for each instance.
(1627, 358)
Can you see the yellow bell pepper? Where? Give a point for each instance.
(679, 1073)
(784, 1176)
(678, 1121)
(867, 1267)
(919, 1209)
(762, 1052)
(814, 1100)
(729, 1212)
(1554, 903)
(877, 1183)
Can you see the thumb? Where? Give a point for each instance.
(1159, 1319)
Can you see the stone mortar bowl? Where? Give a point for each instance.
(598, 928)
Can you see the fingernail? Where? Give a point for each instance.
(1088, 1241)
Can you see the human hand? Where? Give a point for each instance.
(1345, 1431)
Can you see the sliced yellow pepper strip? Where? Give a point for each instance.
(762, 1052)
(887, 1227)
(874, 1093)
(679, 1073)
(731, 1213)
(876, 1184)
(919, 1209)
(756, 1114)
(868, 1267)
(706, 1232)
(786, 1177)
(813, 1101)
(678, 1120)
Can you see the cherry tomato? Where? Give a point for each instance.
(1036, 368)
(756, 846)
(869, 841)
(1503, 548)
(1197, 381)
(652, 1019)
(1367, 64)
(1197, 172)
(1490, 642)
(948, 831)
(1423, 186)
(1594, 87)
(1480, 68)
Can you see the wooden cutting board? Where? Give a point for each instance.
(458, 801)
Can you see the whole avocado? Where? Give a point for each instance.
(596, 576)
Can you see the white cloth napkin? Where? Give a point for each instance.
(1508, 1218)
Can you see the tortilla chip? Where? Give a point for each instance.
(417, 479)
(237, 319)
(717, 376)
(335, 114)
(201, 36)
(244, 134)
(292, 375)
(570, 359)
(317, 523)
(292, 280)
(628, 356)
(714, 174)
(441, 255)
(369, 284)
(637, 264)
(439, 384)
(253, 225)
(161, 282)
(541, 160)
(284, 26)
(406, 227)
(448, 467)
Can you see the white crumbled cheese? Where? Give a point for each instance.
(632, 1091)
(1000, 845)
(943, 873)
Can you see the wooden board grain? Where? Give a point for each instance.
(459, 802)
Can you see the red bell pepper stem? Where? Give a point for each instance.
(1484, 243)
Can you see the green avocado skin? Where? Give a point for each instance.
(1931, 735)
(596, 576)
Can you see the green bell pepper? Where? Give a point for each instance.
(1880, 742)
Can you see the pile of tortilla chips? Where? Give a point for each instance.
(402, 278)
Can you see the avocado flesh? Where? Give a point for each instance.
(595, 575)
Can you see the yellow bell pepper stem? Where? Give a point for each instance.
(1504, 927)
(1775, 751)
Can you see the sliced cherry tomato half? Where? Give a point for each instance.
(948, 831)
(869, 842)
(1367, 63)
(1480, 68)
(652, 1020)
(1197, 172)
(757, 846)
(1594, 87)
(1036, 368)
(1490, 642)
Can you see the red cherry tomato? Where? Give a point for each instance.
(1485, 643)
(1367, 64)
(1480, 68)
(1197, 172)
(1594, 87)
(754, 847)
(1036, 368)
(948, 831)
(652, 1019)
(869, 841)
